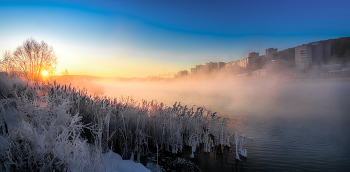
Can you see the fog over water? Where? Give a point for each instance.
(296, 97)
(297, 125)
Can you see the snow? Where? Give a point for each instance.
(115, 163)
(8, 116)
(42, 127)
(112, 162)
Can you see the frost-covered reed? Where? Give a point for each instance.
(64, 127)
(134, 128)
(39, 134)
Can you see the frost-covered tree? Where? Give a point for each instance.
(5, 62)
(31, 59)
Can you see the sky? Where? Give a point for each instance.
(140, 38)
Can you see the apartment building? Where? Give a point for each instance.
(303, 56)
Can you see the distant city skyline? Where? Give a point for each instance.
(142, 38)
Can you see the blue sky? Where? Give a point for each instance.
(146, 37)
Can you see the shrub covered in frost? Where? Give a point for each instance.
(39, 135)
(58, 128)
(132, 128)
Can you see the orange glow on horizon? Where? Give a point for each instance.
(44, 73)
(119, 67)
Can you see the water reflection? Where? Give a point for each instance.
(299, 125)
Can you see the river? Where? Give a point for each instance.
(297, 125)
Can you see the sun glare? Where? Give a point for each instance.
(44, 73)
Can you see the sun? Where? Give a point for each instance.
(44, 73)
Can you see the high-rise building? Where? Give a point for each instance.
(326, 52)
(199, 68)
(253, 54)
(269, 53)
(221, 65)
(303, 56)
(315, 53)
(193, 71)
(251, 60)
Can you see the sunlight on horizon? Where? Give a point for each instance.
(44, 73)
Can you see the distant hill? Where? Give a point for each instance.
(340, 48)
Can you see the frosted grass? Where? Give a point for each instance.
(61, 128)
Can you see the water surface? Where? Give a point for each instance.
(297, 125)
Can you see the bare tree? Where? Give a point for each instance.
(32, 58)
(6, 64)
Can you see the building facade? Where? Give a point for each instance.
(326, 52)
(269, 53)
(221, 65)
(315, 53)
(303, 56)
